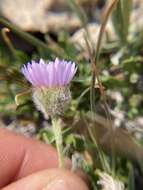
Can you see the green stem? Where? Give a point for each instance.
(104, 163)
(59, 141)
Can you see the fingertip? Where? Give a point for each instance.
(20, 156)
(52, 179)
(65, 180)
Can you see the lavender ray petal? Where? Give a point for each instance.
(67, 73)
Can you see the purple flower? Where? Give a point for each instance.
(56, 73)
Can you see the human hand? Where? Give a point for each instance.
(27, 164)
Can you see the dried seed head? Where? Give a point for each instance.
(107, 182)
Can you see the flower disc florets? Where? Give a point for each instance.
(50, 82)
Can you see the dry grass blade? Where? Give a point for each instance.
(5, 31)
(94, 60)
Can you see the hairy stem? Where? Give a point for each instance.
(59, 141)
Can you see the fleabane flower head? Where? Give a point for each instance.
(50, 81)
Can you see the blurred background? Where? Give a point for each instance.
(47, 29)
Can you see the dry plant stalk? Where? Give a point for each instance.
(94, 56)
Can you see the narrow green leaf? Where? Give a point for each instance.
(121, 19)
(28, 37)
(131, 180)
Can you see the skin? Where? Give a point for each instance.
(28, 164)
